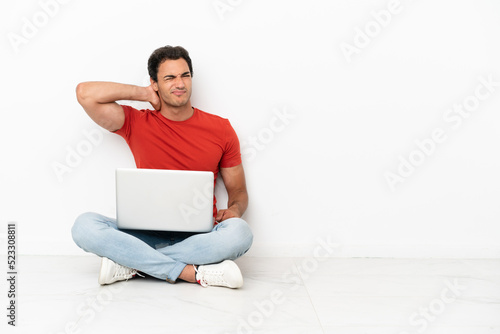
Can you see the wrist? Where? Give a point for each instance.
(236, 210)
(142, 94)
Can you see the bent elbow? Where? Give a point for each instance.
(81, 92)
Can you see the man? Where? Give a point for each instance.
(172, 136)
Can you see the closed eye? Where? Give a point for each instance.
(170, 77)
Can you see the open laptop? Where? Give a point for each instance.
(164, 200)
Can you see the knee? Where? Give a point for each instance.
(79, 227)
(241, 235)
(82, 229)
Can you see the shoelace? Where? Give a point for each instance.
(124, 272)
(211, 277)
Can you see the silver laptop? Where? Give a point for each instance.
(164, 200)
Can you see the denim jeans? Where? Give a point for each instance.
(161, 254)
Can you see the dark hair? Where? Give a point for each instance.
(167, 53)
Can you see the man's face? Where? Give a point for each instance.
(174, 82)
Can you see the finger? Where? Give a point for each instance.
(219, 215)
(225, 215)
(157, 103)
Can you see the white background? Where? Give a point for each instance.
(318, 173)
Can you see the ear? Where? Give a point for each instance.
(154, 84)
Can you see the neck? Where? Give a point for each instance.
(177, 114)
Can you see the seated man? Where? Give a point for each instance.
(172, 136)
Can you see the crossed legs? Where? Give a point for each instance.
(166, 256)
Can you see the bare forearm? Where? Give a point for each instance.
(234, 180)
(238, 202)
(107, 92)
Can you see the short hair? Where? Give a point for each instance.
(167, 53)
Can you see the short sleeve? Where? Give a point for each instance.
(231, 156)
(126, 129)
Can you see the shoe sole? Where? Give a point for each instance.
(104, 269)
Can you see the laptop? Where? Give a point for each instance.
(164, 200)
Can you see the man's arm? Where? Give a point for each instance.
(234, 180)
(98, 100)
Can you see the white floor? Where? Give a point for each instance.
(280, 295)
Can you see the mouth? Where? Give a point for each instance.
(178, 92)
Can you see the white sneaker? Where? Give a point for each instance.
(113, 272)
(225, 274)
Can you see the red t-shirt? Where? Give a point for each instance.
(204, 142)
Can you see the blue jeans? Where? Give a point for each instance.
(161, 254)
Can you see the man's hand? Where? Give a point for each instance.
(224, 214)
(154, 99)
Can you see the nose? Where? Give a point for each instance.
(179, 83)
